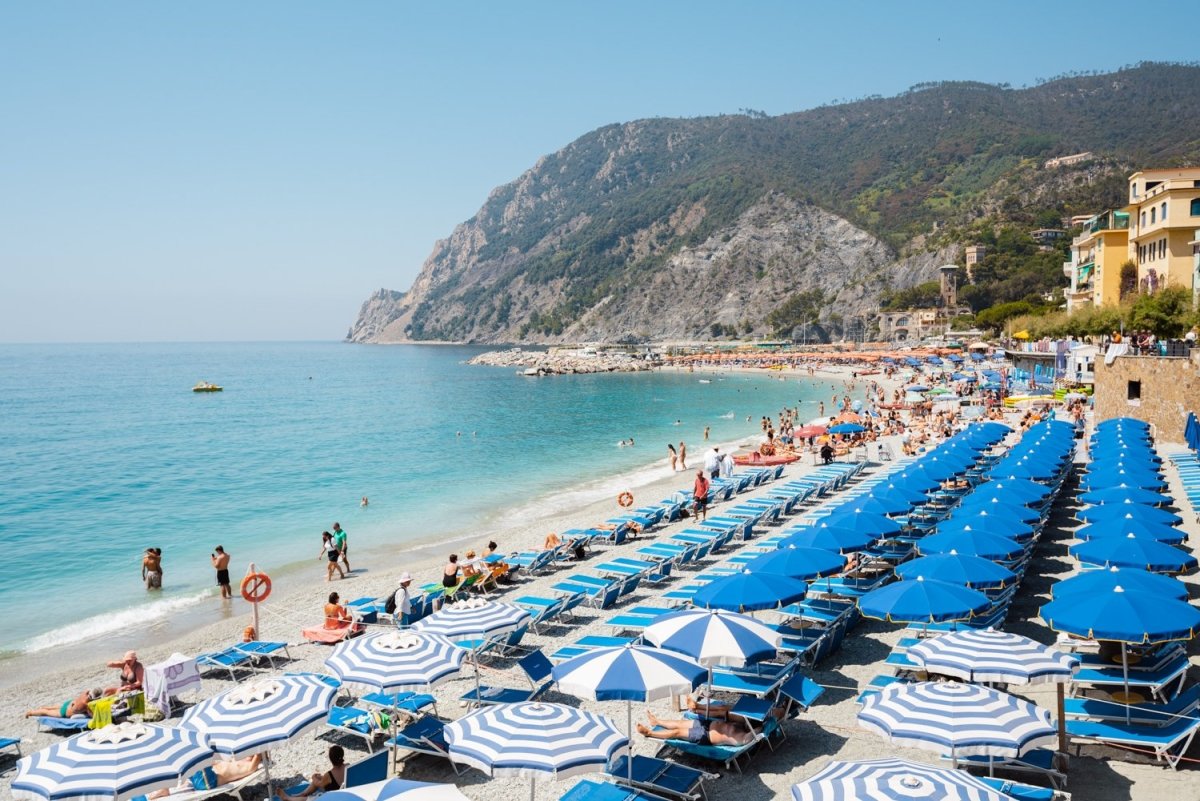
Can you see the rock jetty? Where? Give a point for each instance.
(563, 362)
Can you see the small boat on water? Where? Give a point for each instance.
(206, 386)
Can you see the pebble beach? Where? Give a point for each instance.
(827, 731)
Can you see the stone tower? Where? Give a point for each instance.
(949, 289)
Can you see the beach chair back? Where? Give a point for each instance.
(610, 595)
(801, 691)
(536, 666)
(373, 768)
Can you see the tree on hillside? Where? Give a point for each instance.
(1128, 279)
(802, 308)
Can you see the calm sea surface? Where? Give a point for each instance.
(105, 451)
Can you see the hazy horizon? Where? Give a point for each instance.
(250, 173)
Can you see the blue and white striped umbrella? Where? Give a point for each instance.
(534, 739)
(111, 763)
(892, 780)
(714, 637)
(989, 655)
(628, 673)
(397, 660)
(397, 790)
(964, 719)
(473, 619)
(252, 718)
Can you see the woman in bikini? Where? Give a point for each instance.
(336, 615)
(132, 674)
(331, 554)
(332, 779)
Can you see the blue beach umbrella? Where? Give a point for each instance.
(114, 762)
(916, 477)
(995, 522)
(1136, 552)
(796, 561)
(987, 655)
(1123, 422)
(1159, 532)
(397, 660)
(899, 488)
(1191, 432)
(826, 538)
(955, 568)
(993, 503)
(846, 428)
(1118, 495)
(964, 719)
(254, 717)
(1100, 582)
(532, 740)
(713, 637)
(916, 388)
(922, 601)
(892, 780)
(749, 592)
(1127, 513)
(1123, 616)
(1019, 489)
(396, 790)
(1141, 479)
(971, 542)
(857, 518)
(628, 673)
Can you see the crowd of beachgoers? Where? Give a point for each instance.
(630, 557)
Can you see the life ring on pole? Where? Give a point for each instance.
(625, 499)
(256, 587)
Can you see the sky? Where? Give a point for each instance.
(232, 171)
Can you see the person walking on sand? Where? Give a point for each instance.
(682, 455)
(152, 568)
(339, 540)
(673, 456)
(700, 495)
(220, 561)
(331, 554)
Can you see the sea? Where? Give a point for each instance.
(106, 451)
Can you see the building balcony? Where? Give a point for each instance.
(1108, 221)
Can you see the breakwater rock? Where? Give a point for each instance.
(563, 362)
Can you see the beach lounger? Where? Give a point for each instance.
(759, 680)
(425, 735)
(1185, 703)
(412, 703)
(230, 659)
(728, 755)
(53, 724)
(536, 668)
(11, 742)
(1168, 743)
(1158, 682)
(368, 770)
(1040, 761)
(592, 790)
(589, 643)
(1023, 792)
(361, 723)
(661, 776)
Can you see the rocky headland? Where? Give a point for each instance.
(563, 362)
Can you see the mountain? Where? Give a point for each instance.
(692, 228)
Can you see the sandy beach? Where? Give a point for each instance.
(827, 731)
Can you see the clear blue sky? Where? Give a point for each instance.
(246, 171)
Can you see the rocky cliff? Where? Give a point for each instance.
(690, 228)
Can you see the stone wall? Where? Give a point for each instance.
(1170, 388)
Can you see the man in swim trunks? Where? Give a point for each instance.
(700, 495)
(220, 560)
(702, 731)
(77, 706)
(152, 568)
(339, 540)
(222, 772)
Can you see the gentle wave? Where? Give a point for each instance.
(109, 622)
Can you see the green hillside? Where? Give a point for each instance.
(954, 159)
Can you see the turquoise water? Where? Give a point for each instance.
(105, 451)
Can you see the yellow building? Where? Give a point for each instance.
(1164, 212)
(1096, 258)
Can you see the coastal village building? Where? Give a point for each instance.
(1164, 219)
(1097, 254)
(910, 325)
(1067, 161)
(975, 254)
(1047, 237)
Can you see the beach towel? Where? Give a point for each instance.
(102, 712)
(321, 634)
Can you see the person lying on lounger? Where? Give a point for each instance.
(714, 729)
(332, 779)
(221, 773)
(77, 706)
